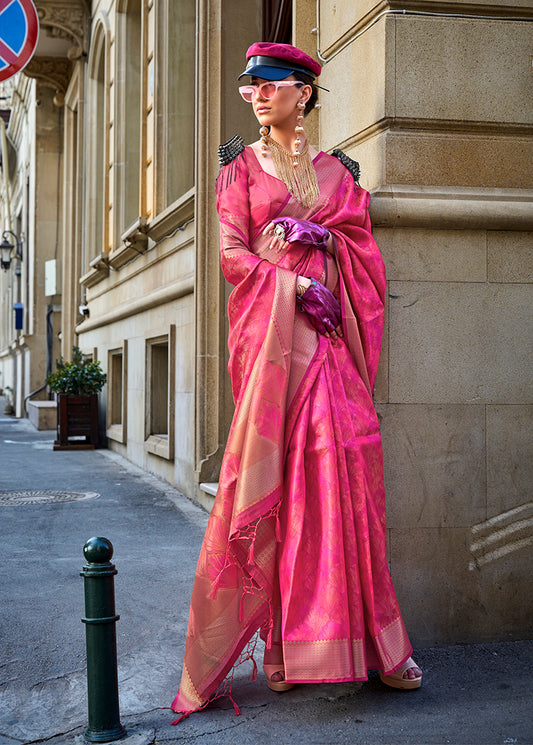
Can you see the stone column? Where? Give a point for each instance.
(224, 34)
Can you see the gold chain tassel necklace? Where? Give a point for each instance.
(298, 174)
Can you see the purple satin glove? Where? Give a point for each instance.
(321, 306)
(304, 231)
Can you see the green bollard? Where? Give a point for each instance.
(100, 619)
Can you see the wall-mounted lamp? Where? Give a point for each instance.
(9, 250)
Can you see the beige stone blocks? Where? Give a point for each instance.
(339, 21)
(359, 81)
(135, 416)
(509, 457)
(460, 342)
(510, 256)
(467, 70)
(423, 255)
(43, 414)
(430, 101)
(443, 599)
(435, 471)
(184, 442)
(458, 159)
(184, 320)
(381, 385)
(457, 429)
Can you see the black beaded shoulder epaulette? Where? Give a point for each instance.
(230, 149)
(351, 165)
(227, 154)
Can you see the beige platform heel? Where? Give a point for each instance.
(396, 679)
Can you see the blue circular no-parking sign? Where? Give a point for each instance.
(19, 31)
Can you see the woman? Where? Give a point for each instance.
(295, 546)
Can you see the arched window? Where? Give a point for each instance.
(97, 144)
(128, 115)
(74, 261)
(180, 98)
(170, 101)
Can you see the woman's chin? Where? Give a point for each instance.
(264, 117)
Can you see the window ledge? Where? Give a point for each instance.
(172, 217)
(116, 432)
(134, 243)
(99, 270)
(159, 445)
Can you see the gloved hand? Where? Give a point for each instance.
(321, 306)
(304, 231)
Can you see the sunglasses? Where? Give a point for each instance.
(265, 90)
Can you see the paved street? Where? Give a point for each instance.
(472, 695)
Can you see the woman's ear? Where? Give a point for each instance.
(305, 93)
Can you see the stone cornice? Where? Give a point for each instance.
(161, 296)
(457, 208)
(65, 19)
(437, 126)
(512, 9)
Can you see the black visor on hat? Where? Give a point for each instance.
(272, 68)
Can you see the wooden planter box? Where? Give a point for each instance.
(77, 416)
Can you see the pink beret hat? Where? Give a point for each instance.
(278, 61)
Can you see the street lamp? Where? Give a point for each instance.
(9, 250)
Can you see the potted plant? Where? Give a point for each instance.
(77, 384)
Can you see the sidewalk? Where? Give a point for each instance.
(471, 695)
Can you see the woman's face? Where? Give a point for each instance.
(281, 109)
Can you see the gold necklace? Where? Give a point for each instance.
(298, 174)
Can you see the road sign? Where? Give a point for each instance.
(19, 31)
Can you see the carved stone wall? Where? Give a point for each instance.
(65, 19)
(53, 72)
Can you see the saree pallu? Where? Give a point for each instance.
(295, 545)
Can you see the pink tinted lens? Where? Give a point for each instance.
(247, 92)
(267, 90)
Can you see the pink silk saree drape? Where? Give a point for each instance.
(295, 545)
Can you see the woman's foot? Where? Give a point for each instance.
(407, 677)
(275, 677)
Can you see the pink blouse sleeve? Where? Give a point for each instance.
(233, 207)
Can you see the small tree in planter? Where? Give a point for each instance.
(77, 384)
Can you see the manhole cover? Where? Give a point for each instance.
(44, 497)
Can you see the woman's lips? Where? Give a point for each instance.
(262, 109)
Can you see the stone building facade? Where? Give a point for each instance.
(434, 100)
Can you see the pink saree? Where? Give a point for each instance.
(295, 545)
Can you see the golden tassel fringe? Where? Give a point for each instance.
(300, 179)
